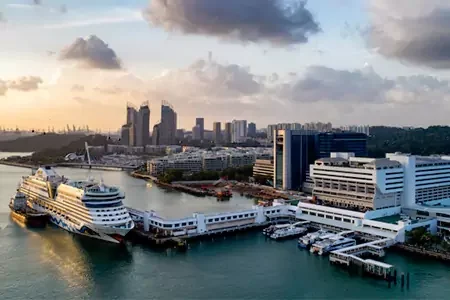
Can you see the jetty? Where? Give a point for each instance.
(353, 256)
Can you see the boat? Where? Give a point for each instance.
(272, 228)
(332, 243)
(24, 214)
(311, 238)
(84, 207)
(288, 232)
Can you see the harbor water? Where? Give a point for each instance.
(53, 264)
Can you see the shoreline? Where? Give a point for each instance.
(16, 164)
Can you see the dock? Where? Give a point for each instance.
(352, 256)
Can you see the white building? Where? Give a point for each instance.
(357, 183)
(239, 131)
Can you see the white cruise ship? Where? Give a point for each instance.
(83, 207)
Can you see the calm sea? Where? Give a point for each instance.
(53, 264)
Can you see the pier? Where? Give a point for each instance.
(352, 256)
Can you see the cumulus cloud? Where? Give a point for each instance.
(91, 53)
(278, 22)
(25, 83)
(37, 2)
(415, 31)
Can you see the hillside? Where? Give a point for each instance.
(420, 141)
(39, 142)
(56, 155)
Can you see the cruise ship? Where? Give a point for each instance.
(84, 207)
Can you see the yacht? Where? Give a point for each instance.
(311, 238)
(330, 244)
(84, 207)
(272, 228)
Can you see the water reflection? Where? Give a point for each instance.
(80, 261)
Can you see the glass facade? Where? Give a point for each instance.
(328, 142)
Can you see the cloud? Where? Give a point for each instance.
(77, 88)
(414, 31)
(3, 88)
(2, 18)
(25, 83)
(109, 90)
(91, 53)
(277, 22)
(37, 2)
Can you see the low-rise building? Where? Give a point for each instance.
(263, 168)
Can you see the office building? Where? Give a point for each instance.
(217, 132)
(168, 126)
(239, 131)
(293, 153)
(357, 183)
(328, 142)
(227, 133)
(251, 130)
(318, 126)
(200, 122)
(295, 150)
(263, 168)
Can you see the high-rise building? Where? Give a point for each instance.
(168, 125)
(291, 126)
(180, 134)
(217, 132)
(239, 131)
(142, 125)
(251, 131)
(293, 153)
(196, 133)
(227, 133)
(201, 123)
(156, 134)
(137, 126)
(295, 150)
(125, 134)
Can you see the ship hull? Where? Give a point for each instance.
(109, 234)
(28, 220)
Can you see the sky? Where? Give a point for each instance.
(376, 62)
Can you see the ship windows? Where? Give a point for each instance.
(191, 223)
(229, 218)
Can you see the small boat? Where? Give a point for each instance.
(330, 244)
(288, 232)
(311, 238)
(272, 228)
(24, 214)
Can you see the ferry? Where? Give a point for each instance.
(311, 238)
(330, 244)
(24, 214)
(272, 228)
(288, 232)
(83, 207)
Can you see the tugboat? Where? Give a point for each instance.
(24, 214)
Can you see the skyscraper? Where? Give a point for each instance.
(144, 124)
(217, 132)
(201, 123)
(227, 133)
(251, 132)
(168, 125)
(156, 134)
(125, 134)
(239, 131)
(138, 123)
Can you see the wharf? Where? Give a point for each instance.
(443, 256)
(351, 256)
(16, 164)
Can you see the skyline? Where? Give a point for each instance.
(345, 62)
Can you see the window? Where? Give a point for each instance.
(234, 217)
(321, 215)
(338, 218)
(329, 217)
(191, 223)
(229, 218)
